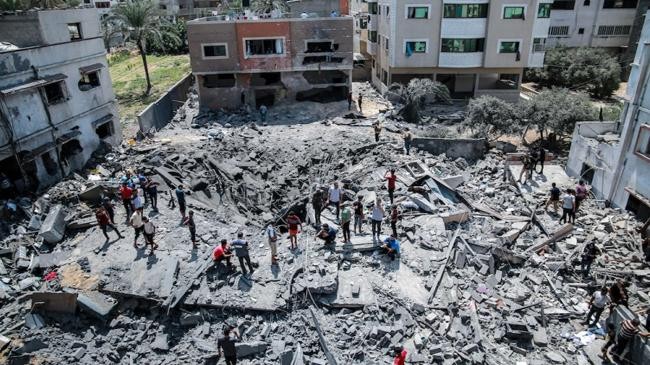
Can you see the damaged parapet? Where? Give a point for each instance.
(255, 62)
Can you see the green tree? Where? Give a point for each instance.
(173, 42)
(416, 94)
(267, 6)
(12, 5)
(491, 118)
(138, 21)
(557, 110)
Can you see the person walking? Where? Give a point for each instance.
(628, 329)
(241, 251)
(109, 207)
(317, 203)
(226, 344)
(349, 101)
(525, 169)
(334, 197)
(149, 231)
(294, 223)
(394, 217)
(137, 223)
(589, 254)
(263, 111)
(376, 127)
(346, 218)
(568, 204)
(151, 187)
(189, 222)
(180, 196)
(599, 300)
(377, 216)
(541, 157)
(581, 194)
(103, 219)
(272, 236)
(360, 102)
(126, 193)
(408, 137)
(391, 178)
(554, 197)
(357, 206)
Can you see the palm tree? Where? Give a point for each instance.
(267, 6)
(137, 20)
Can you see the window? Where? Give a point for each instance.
(614, 30)
(387, 10)
(89, 81)
(415, 47)
(373, 8)
(620, 4)
(384, 77)
(75, 31)
(363, 23)
(563, 5)
(581, 30)
(538, 44)
(104, 130)
(51, 167)
(379, 9)
(544, 11)
(513, 12)
(320, 46)
(586, 3)
(372, 36)
(509, 47)
(465, 10)
(562, 30)
(103, 4)
(54, 92)
(643, 141)
(386, 43)
(217, 50)
(417, 12)
(258, 47)
(462, 45)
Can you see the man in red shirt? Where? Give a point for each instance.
(105, 221)
(222, 253)
(126, 193)
(400, 356)
(293, 221)
(391, 178)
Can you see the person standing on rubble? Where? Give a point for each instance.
(109, 207)
(376, 127)
(126, 193)
(149, 232)
(334, 197)
(525, 168)
(137, 200)
(554, 198)
(317, 203)
(272, 235)
(568, 205)
(628, 329)
(589, 254)
(391, 178)
(541, 157)
(142, 182)
(599, 300)
(349, 101)
(377, 216)
(189, 222)
(358, 215)
(241, 251)
(618, 293)
(581, 193)
(294, 223)
(360, 103)
(263, 112)
(400, 355)
(137, 223)
(180, 196)
(408, 137)
(394, 217)
(226, 344)
(103, 219)
(346, 218)
(151, 187)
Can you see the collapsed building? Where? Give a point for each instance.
(247, 60)
(56, 99)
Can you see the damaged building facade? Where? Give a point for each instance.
(56, 99)
(473, 47)
(262, 61)
(614, 157)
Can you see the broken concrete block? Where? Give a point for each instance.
(540, 338)
(92, 194)
(27, 283)
(79, 353)
(555, 357)
(34, 321)
(53, 228)
(161, 342)
(245, 349)
(97, 304)
(4, 341)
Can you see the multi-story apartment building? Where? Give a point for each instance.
(591, 23)
(247, 60)
(56, 99)
(474, 47)
(614, 157)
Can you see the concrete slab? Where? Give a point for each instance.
(151, 278)
(354, 289)
(542, 183)
(53, 228)
(96, 304)
(54, 302)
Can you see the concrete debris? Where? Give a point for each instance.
(484, 274)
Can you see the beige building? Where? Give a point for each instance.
(474, 47)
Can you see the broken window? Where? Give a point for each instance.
(50, 165)
(70, 148)
(587, 173)
(320, 46)
(104, 130)
(258, 47)
(89, 81)
(636, 206)
(54, 92)
(643, 144)
(417, 12)
(215, 50)
(220, 80)
(75, 31)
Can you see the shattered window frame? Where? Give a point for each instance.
(254, 49)
(74, 30)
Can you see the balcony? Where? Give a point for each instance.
(460, 60)
(463, 28)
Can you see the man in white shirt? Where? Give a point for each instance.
(138, 202)
(334, 197)
(272, 235)
(376, 217)
(597, 304)
(137, 223)
(568, 206)
(149, 231)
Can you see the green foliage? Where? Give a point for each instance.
(558, 110)
(416, 94)
(13, 5)
(592, 70)
(267, 6)
(490, 117)
(172, 42)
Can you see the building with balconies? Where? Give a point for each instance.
(474, 47)
(248, 60)
(56, 99)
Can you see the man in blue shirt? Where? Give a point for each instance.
(327, 234)
(391, 247)
(241, 251)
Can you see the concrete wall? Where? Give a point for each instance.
(159, 113)
(21, 30)
(469, 149)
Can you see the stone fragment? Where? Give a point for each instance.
(245, 349)
(555, 357)
(53, 228)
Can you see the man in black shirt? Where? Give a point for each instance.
(317, 204)
(554, 198)
(226, 345)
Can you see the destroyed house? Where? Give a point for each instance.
(56, 99)
(250, 61)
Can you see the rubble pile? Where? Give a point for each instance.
(485, 274)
